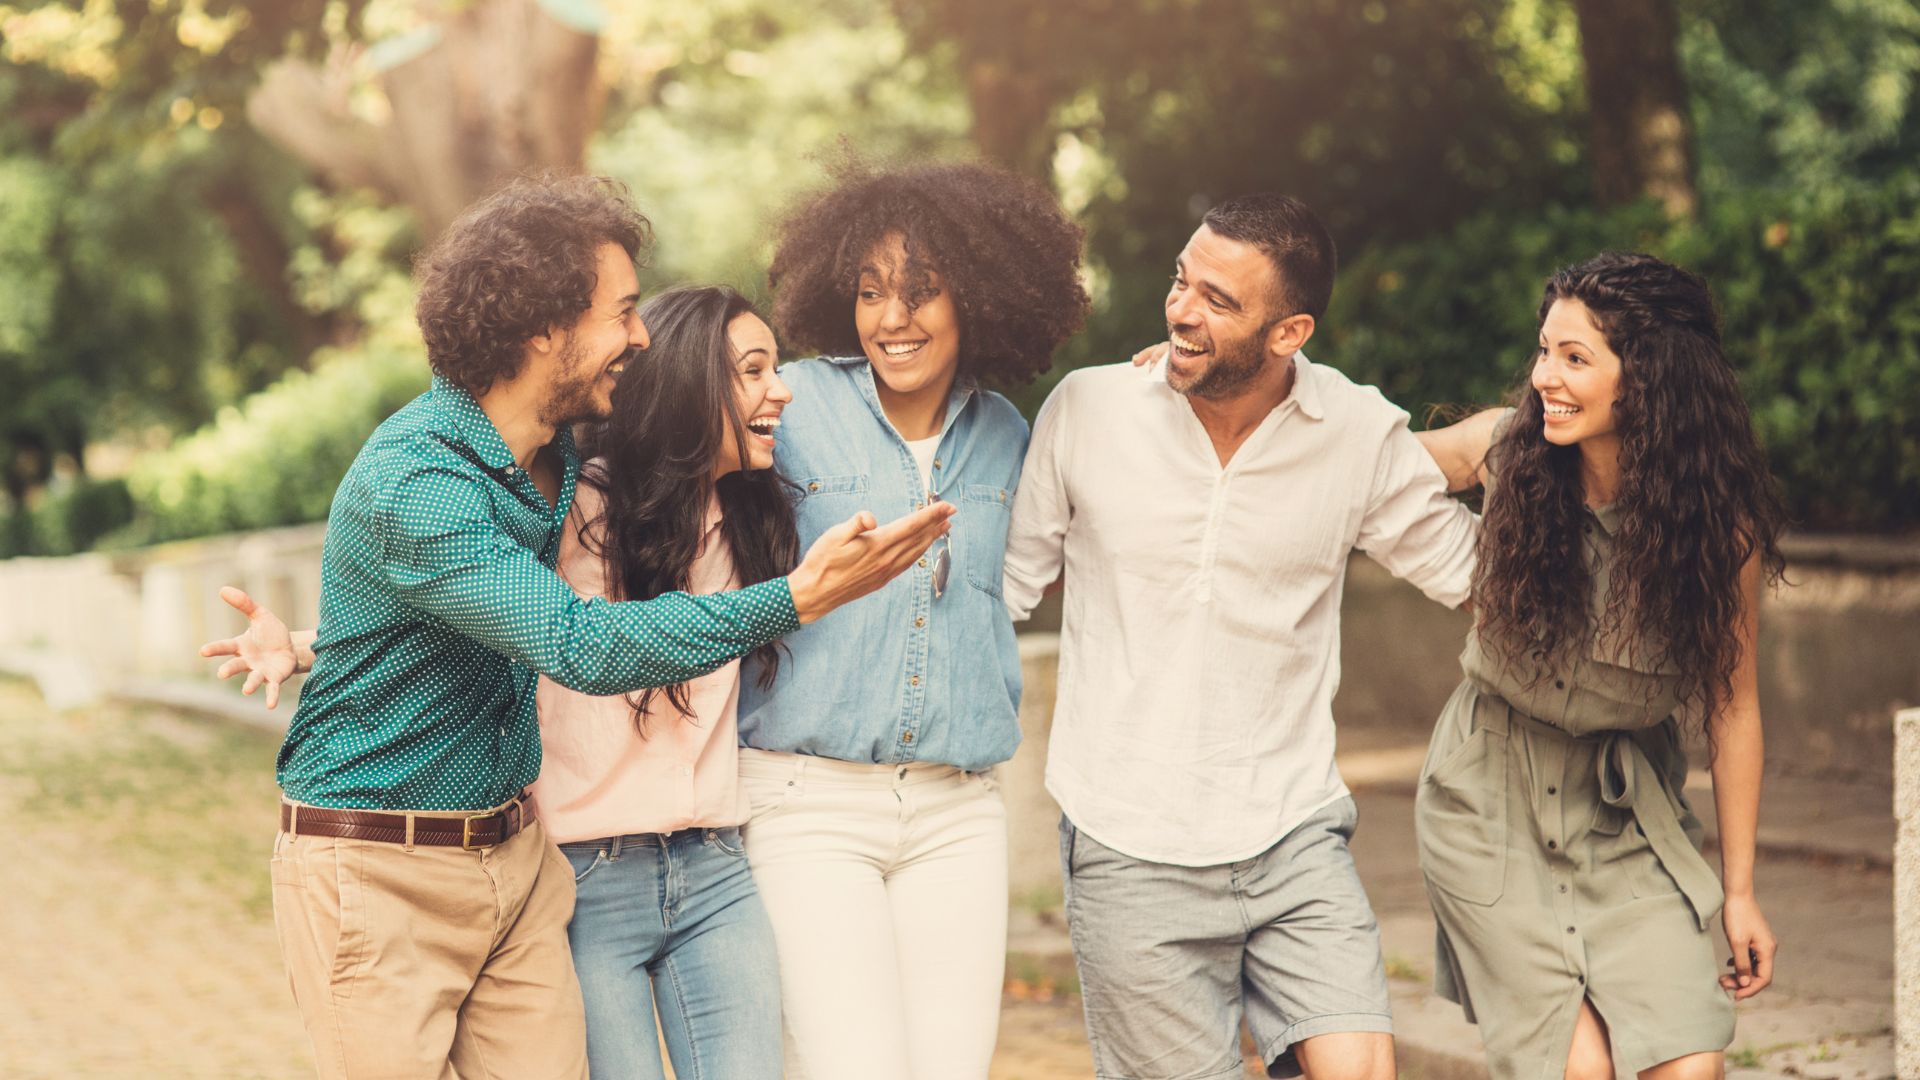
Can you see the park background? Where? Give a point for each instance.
(208, 211)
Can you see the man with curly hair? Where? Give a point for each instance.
(1203, 511)
(421, 909)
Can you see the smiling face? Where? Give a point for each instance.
(585, 360)
(915, 350)
(759, 395)
(1577, 376)
(1220, 312)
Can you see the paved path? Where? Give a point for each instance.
(136, 938)
(136, 932)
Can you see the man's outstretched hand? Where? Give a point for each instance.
(857, 556)
(266, 652)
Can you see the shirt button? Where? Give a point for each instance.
(1559, 684)
(920, 620)
(1569, 929)
(936, 463)
(907, 738)
(923, 564)
(1582, 979)
(914, 681)
(1563, 888)
(1551, 790)
(815, 486)
(1553, 845)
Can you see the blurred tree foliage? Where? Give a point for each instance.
(1817, 291)
(721, 113)
(160, 260)
(145, 233)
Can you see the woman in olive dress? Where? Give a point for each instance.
(1629, 523)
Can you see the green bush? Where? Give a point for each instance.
(69, 518)
(1820, 293)
(276, 458)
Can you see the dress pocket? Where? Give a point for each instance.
(1460, 818)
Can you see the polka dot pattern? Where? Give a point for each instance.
(440, 607)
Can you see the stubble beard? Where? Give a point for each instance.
(1233, 368)
(571, 393)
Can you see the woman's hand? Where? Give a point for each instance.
(1753, 947)
(266, 652)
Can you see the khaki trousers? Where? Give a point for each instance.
(432, 963)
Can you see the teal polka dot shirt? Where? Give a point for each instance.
(439, 608)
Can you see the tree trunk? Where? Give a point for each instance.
(1012, 115)
(501, 87)
(1642, 129)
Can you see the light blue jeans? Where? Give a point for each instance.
(674, 922)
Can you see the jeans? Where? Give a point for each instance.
(673, 922)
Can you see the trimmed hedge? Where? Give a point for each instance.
(1819, 291)
(277, 457)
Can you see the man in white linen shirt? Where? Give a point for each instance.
(1203, 511)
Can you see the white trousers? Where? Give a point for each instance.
(887, 887)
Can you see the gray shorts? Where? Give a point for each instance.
(1170, 955)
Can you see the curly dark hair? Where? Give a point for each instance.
(653, 459)
(1006, 251)
(1696, 501)
(515, 265)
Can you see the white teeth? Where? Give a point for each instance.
(764, 424)
(901, 348)
(1560, 410)
(1184, 345)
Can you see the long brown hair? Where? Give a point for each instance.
(654, 454)
(1696, 501)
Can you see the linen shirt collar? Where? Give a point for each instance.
(1306, 389)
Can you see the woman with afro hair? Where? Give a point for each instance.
(878, 837)
(1630, 522)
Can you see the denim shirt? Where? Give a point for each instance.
(897, 676)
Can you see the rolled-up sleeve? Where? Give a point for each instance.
(444, 555)
(1413, 527)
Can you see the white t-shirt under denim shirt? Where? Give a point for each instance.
(1200, 644)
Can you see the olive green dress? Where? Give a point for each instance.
(1561, 857)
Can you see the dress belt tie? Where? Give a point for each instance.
(1624, 770)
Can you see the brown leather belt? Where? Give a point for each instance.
(473, 831)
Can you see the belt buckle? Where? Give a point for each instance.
(466, 832)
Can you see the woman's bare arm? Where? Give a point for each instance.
(1738, 755)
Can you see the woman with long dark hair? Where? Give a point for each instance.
(1630, 522)
(878, 836)
(642, 792)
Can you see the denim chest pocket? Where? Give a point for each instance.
(826, 501)
(821, 486)
(980, 534)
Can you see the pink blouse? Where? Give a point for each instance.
(600, 777)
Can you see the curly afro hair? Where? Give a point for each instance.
(515, 265)
(1005, 250)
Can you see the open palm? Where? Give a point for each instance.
(265, 652)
